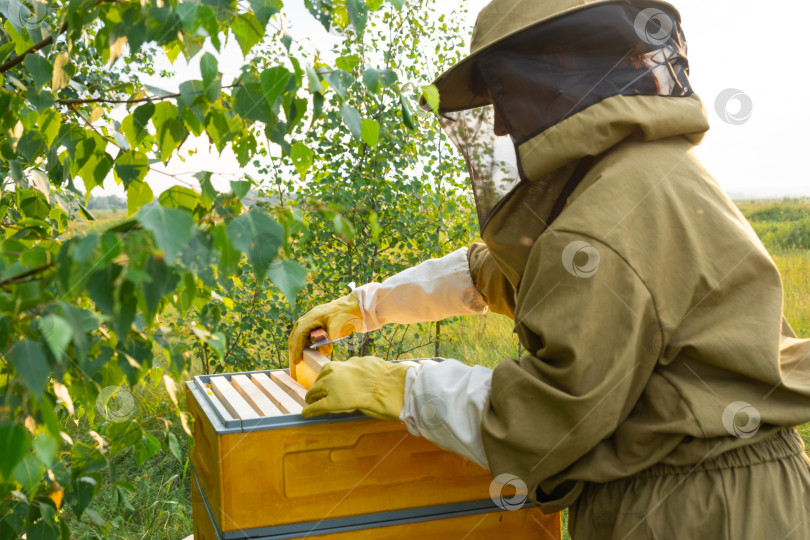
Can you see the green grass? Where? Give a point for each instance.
(159, 503)
(104, 220)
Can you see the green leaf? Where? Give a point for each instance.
(249, 102)
(339, 81)
(374, 225)
(95, 170)
(222, 127)
(46, 447)
(101, 285)
(39, 68)
(131, 167)
(163, 281)
(348, 62)
(374, 5)
(208, 68)
(29, 473)
(352, 120)
(314, 80)
(40, 531)
(258, 236)
(358, 14)
(431, 95)
(33, 204)
(264, 9)
(407, 116)
(273, 83)
(216, 341)
(149, 446)
(42, 100)
(371, 78)
(171, 133)
(61, 76)
(170, 129)
(179, 197)
(174, 447)
(57, 333)
(370, 132)
(290, 277)
(209, 193)
(31, 145)
(248, 31)
(321, 10)
(240, 188)
(49, 123)
(344, 227)
(88, 215)
(172, 228)
(138, 194)
(13, 447)
(398, 4)
(135, 125)
(388, 78)
(29, 360)
(302, 158)
(208, 21)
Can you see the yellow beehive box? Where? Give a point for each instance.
(264, 471)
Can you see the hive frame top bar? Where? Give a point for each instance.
(223, 422)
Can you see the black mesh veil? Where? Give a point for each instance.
(544, 74)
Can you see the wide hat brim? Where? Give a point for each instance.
(455, 85)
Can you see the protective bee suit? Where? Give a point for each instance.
(662, 385)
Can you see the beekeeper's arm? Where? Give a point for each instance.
(431, 291)
(589, 358)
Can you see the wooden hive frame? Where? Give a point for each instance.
(261, 467)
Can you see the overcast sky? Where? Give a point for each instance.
(733, 44)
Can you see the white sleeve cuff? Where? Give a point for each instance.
(431, 291)
(444, 403)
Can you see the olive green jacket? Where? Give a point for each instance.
(651, 312)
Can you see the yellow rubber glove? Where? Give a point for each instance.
(366, 384)
(339, 318)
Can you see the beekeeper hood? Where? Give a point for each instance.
(535, 63)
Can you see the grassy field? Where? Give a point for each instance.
(160, 505)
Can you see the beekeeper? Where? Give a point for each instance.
(662, 385)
